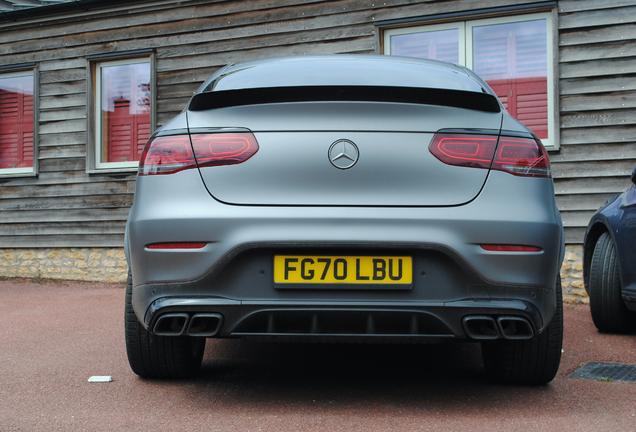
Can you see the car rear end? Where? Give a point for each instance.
(345, 198)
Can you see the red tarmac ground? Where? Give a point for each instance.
(55, 335)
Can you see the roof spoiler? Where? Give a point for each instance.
(410, 95)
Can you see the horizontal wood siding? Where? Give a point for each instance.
(597, 70)
(66, 207)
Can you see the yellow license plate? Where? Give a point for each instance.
(336, 270)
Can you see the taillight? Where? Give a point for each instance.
(167, 155)
(518, 156)
(223, 148)
(464, 150)
(522, 157)
(171, 154)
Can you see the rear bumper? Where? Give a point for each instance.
(346, 321)
(502, 214)
(454, 277)
(445, 292)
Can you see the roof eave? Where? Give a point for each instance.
(61, 9)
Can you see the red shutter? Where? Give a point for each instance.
(127, 133)
(512, 58)
(119, 127)
(16, 129)
(526, 99)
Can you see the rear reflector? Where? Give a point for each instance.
(176, 246)
(510, 248)
(518, 156)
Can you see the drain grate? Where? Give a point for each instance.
(606, 372)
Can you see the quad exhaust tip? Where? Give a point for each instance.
(484, 327)
(205, 325)
(171, 324)
(179, 324)
(481, 327)
(515, 327)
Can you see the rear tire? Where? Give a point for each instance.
(152, 356)
(609, 312)
(533, 361)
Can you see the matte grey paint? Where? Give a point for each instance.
(500, 215)
(397, 198)
(395, 166)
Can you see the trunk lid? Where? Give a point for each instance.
(303, 148)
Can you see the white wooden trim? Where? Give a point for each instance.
(16, 74)
(13, 171)
(466, 59)
(460, 26)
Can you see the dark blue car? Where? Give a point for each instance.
(609, 263)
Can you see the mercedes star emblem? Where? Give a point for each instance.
(343, 154)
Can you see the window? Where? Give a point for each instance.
(122, 115)
(512, 54)
(16, 123)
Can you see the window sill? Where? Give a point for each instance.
(7, 175)
(110, 171)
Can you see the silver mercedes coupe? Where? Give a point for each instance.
(345, 198)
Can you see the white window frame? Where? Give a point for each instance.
(97, 111)
(467, 60)
(460, 26)
(31, 169)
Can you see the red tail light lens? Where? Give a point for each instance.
(518, 156)
(223, 148)
(167, 155)
(474, 151)
(522, 157)
(171, 154)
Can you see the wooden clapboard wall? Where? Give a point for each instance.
(597, 89)
(66, 207)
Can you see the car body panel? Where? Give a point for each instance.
(295, 169)
(364, 230)
(293, 156)
(461, 228)
(617, 217)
